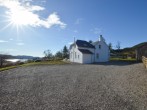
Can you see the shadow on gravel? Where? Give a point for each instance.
(117, 63)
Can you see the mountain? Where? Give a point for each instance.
(24, 57)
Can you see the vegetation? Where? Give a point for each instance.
(90, 41)
(118, 45)
(126, 52)
(7, 68)
(53, 62)
(49, 59)
(48, 54)
(110, 46)
(130, 50)
(65, 52)
(58, 56)
(3, 57)
(129, 60)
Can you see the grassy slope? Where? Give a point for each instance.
(35, 63)
(45, 63)
(7, 68)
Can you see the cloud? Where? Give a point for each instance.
(23, 13)
(96, 30)
(34, 7)
(20, 44)
(3, 41)
(78, 21)
(53, 19)
(37, 8)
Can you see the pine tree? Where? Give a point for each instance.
(65, 52)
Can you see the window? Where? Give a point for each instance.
(75, 55)
(78, 56)
(97, 56)
(99, 46)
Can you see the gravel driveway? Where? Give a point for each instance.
(104, 86)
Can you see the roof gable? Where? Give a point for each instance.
(98, 42)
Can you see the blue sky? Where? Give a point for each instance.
(38, 25)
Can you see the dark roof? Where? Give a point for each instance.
(82, 43)
(85, 51)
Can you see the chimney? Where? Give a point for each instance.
(101, 38)
(74, 42)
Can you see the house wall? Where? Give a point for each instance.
(91, 55)
(76, 55)
(87, 58)
(103, 52)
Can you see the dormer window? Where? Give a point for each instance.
(99, 46)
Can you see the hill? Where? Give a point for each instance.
(129, 50)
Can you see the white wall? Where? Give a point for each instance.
(83, 58)
(87, 58)
(90, 49)
(103, 52)
(78, 58)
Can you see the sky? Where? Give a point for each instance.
(28, 27)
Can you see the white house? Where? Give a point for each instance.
(84, 52)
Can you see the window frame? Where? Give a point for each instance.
(97, 56)
(100, 46)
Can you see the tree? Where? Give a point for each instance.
(90, 41)
(118, 46)
(59, 54)
(65, 52)
(48, 54)
(3, 57)
(110, 46)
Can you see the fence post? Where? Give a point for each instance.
(144, 60)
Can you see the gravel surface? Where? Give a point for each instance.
(103, 86)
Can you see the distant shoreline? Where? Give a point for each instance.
(16, 60)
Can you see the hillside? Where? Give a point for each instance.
(129, 50)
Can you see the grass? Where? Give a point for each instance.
(125, 60)
(45, 63)
(7, 68)
(58, 62)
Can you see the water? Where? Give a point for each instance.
(16, 60)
